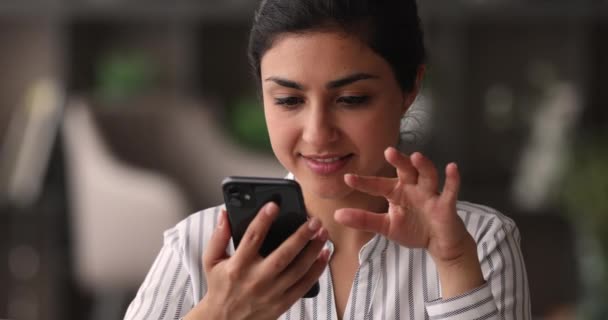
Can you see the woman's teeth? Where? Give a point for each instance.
(328, 160)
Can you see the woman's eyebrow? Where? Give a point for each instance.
(285, 83)
(330, 85)
(349, 79)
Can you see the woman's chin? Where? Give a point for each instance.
(330, 191)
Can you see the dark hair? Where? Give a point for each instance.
(390, 27)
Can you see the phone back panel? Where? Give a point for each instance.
(245, 196)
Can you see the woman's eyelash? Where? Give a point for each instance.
(348, 100)
(287, 101)
(354, 100)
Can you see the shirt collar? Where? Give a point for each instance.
(372, 249)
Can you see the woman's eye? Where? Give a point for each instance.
(288, 101)
(353, 100)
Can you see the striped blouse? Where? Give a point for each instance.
(392, 282)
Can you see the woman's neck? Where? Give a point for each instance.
(345, 239)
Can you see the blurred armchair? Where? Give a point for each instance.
(118, 213)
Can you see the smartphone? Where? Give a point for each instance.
(244, 196)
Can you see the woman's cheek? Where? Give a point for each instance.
(282, 140)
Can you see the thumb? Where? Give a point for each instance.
(216, 248)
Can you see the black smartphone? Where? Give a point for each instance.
(245, 196)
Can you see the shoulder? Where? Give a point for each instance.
(206, 218)
(190, 235)
(485, 223)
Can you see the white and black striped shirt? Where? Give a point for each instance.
(392, 282)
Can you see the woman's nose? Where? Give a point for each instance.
(319, 128)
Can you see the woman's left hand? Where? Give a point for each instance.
(418, 216)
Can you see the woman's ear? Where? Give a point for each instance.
(410, 96)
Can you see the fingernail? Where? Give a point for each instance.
(324, 254)
(220, 221)
(314, 224)
(269, 209)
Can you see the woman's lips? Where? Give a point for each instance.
(326, 165)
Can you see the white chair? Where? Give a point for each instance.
(118, 213)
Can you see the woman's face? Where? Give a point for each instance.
(332, 107)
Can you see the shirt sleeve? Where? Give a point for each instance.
(505, 295)
(166, 292)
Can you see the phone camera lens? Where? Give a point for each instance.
(234, 192)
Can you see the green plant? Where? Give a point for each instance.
(122, 74)
(248, 125)
(585, 196)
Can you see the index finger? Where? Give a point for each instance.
(375, 186)
(249, 246)
(293, 246)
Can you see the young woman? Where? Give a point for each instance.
(386, 240)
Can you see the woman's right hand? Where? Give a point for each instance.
(248, 286)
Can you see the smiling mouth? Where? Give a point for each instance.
(326, 165)
(326, 158)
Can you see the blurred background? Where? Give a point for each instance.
(119, 118)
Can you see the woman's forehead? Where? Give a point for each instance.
(321, 52)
